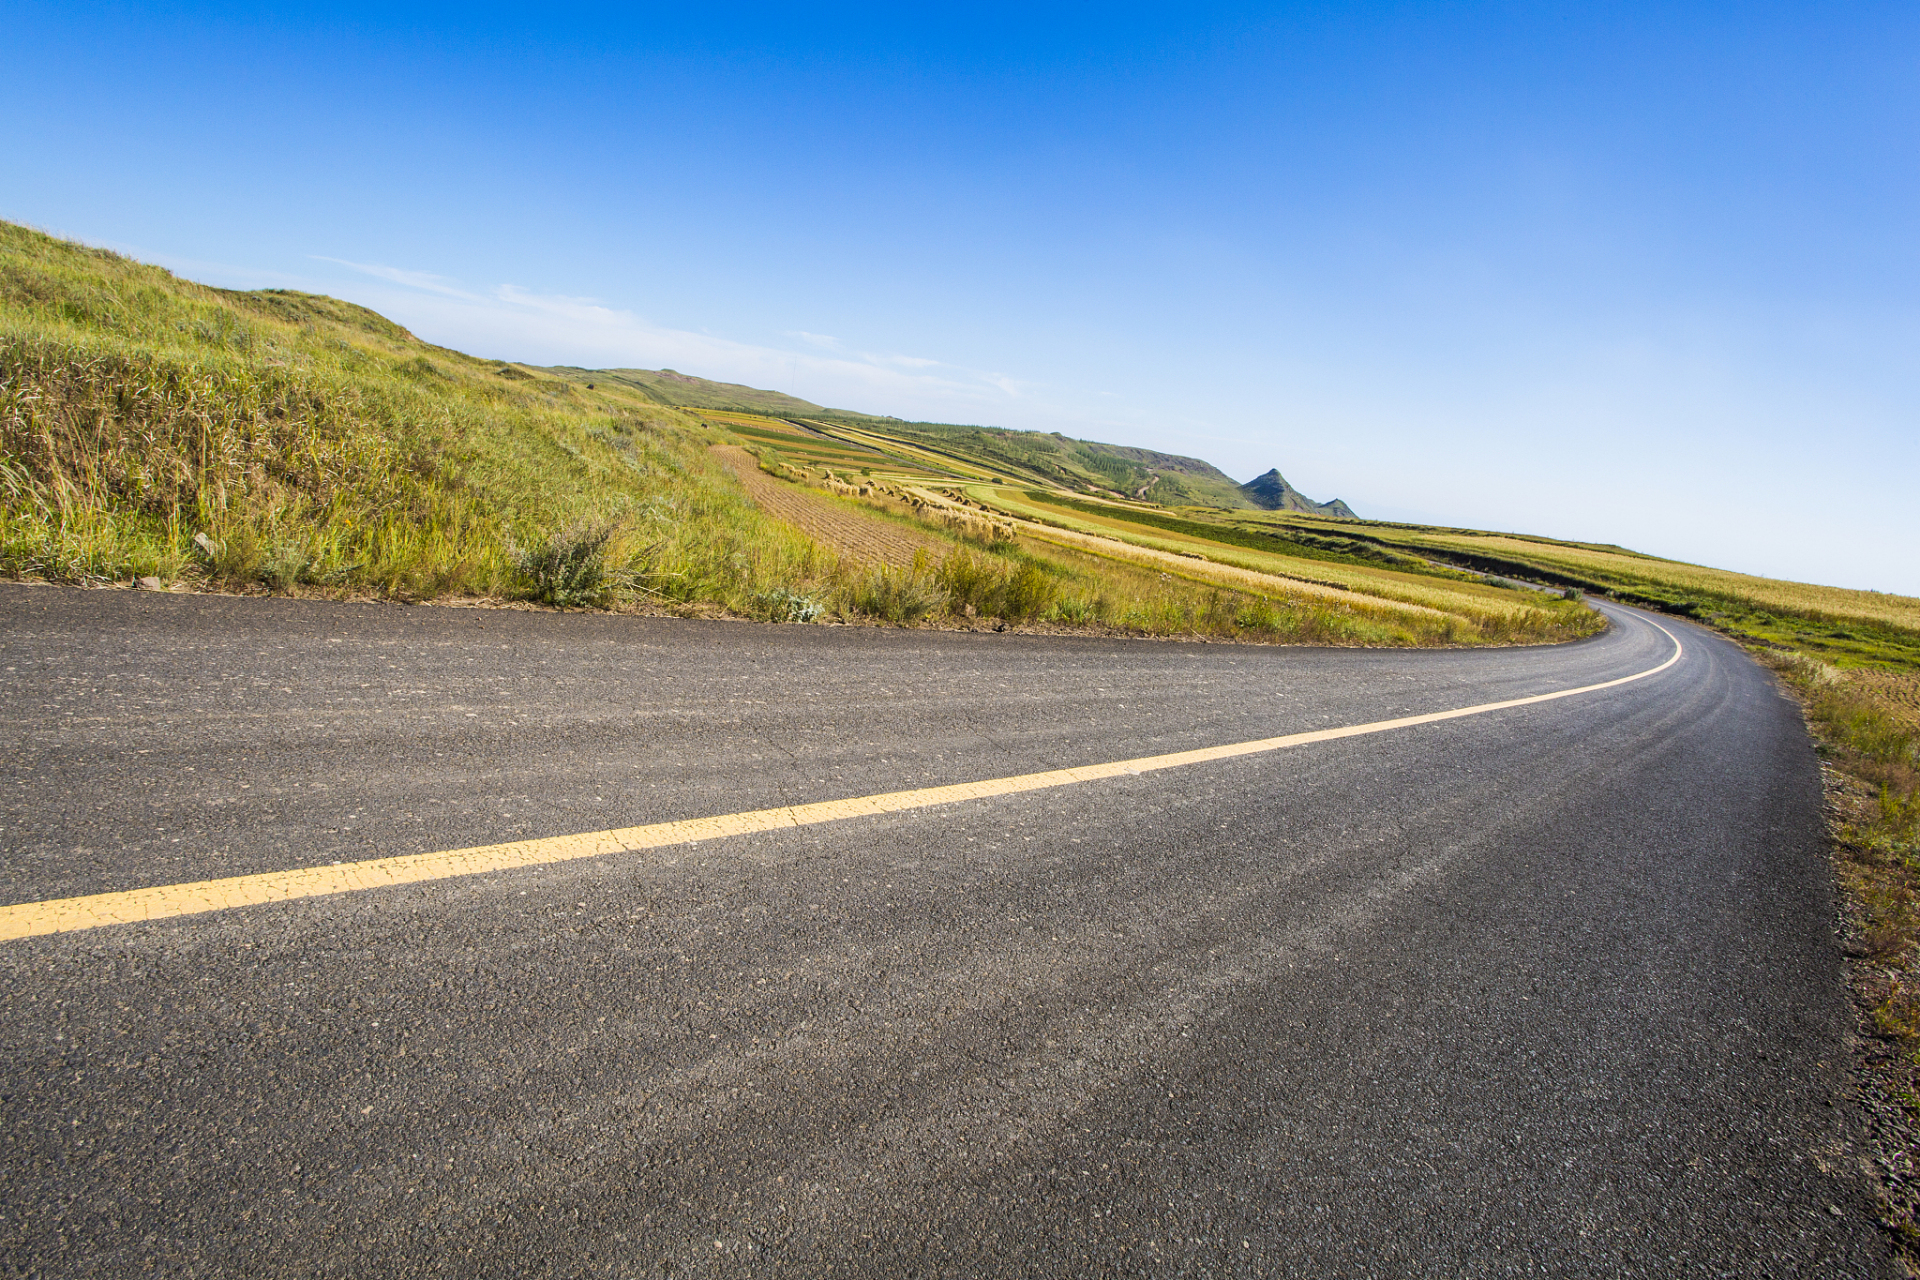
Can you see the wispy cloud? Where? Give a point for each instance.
(399, 275)
(564, 329)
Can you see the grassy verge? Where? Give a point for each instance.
(1866, 722)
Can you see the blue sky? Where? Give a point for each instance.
(1635, 273)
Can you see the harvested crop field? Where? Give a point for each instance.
(1895, 692)
(852, 534)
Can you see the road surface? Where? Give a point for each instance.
(1545, 990)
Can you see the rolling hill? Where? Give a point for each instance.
(1272, 492)
(1087, 466)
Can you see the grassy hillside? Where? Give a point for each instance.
(983, 452)
(1056, 460)
(670, 387)
(275, 441)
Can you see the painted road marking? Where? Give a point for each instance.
(62, 915)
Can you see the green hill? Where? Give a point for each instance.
(153, 427)
(668, 387)
(1272, 492)
(1030, 456)
(1051, 458)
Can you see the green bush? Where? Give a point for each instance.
(784, 605)
(1028, 593)
(971, 581)
(570, 568)
(896, 596)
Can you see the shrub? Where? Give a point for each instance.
(1257, 615)
(784, 605)
(286, 564)
(970, 581)
(1075, 609)
(570, 568)
(1029, 592)
(896, 596)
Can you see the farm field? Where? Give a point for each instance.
(839, 525)
(1842, 626)
(1449, 594)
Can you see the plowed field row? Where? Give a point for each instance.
(848, 532)
(1897, 692)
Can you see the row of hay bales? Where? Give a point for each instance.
(928, 505)
(961, 517)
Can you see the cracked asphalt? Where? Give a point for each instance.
(1552, 990)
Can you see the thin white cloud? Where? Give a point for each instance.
(229, 275)
(563, 329)
(826, 343)
(399, 275)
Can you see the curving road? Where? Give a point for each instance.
(1547, 990)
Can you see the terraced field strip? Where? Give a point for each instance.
(1466, 599)
(797, 440)
(1214, 573)
(816, 455)
(941, 465)
(1202, 568)
(847, 531)
(756, 425)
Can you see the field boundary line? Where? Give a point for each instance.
(92, 911)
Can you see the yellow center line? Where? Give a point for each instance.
(61, 915)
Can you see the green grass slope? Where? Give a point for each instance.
(668, 387)
(1050, 458)
(1031, 456)
(152, 426)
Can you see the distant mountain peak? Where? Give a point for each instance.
(1274, 493)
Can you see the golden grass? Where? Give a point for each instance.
(1477, 605)
(1769, 593)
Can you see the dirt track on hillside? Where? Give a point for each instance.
(848, 532)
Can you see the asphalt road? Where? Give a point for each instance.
(1551, 990)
